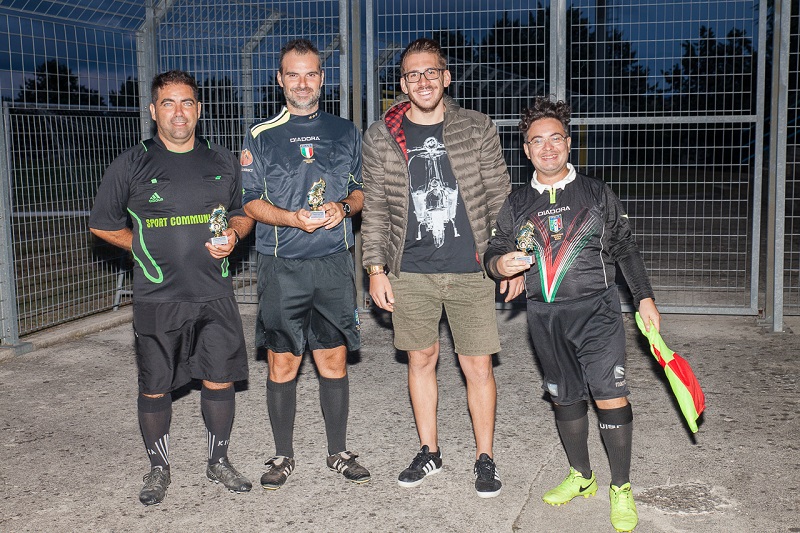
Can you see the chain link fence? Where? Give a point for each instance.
(676, 139)
(65, 116)
(669, 102)
(233, 52)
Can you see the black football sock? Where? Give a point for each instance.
(573, 428)
(218, 407)
(281, 406)
(334, 398)
(616, 428)
(154, 418)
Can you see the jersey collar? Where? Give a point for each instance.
(304, 118)
(561, 184)
(161, 144)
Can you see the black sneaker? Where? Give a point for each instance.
(278, 470)
(424, 464)
(223, 472)
(345, 463)
(487, 478)
(155, 486)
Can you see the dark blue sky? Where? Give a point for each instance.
(101, 56)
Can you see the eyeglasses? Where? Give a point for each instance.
(556, 140)
(429, 73)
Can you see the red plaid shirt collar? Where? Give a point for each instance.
(394, 123)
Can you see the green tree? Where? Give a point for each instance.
(128, 94)
(518, 47)
(220, 110)
(629, 78)
(602, 68)
(713, 75)
(54, 83)
(455, 45)
(272, 99)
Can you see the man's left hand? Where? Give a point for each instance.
(220, 251)
(335, 213)
(649, 313)
(512, 287)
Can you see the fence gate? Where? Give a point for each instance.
(667, 109)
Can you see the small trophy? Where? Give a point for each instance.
(316, 197)
(217, 224)
(525, 242)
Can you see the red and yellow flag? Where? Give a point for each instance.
(684, 384)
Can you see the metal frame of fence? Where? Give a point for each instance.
(65, 116)
(687, 160)
(689, 197)
(783, 237)
(233, 51)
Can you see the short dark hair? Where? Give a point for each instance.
(300, 46)
(172, 77)
(544, 107)
(424, 45)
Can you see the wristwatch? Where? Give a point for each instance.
(346, 208)
(373, 270)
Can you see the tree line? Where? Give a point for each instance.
(599, 63)
(714, 75)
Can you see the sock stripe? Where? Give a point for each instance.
(162, 447)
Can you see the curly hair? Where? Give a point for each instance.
(544, 107)
(179, 77)
(299, 46)
(424, 45)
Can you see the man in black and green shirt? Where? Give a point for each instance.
(156, 200)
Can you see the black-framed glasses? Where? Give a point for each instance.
(556, 140)
(429, 73)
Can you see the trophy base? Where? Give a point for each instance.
(317, 214)
(219, 241)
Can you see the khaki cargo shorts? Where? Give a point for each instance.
(468, 300)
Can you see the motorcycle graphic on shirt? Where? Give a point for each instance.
(435, 202)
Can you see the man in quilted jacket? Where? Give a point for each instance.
(434, 181)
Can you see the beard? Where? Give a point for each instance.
(310, 103)
(426, 106)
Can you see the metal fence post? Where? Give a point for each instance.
(558, 42)
(776, 205)
(372, 70)
(9, 327)
(344, 59)
(147, 55)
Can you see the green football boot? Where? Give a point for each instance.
(574, 485)
(623, 509)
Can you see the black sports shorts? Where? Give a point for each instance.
(180, 341)
(581, 346)
(307, 302)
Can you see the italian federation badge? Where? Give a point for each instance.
(307, 151)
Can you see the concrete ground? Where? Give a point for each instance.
(73, 457)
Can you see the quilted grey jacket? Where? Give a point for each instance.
(476, 158)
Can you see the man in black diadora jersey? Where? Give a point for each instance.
(156, 200)
(573, 232)
(301, 172)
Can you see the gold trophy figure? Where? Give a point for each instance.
(525, 242)
(217, 223)
(316, 197)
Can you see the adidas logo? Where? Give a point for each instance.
(155, 198)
